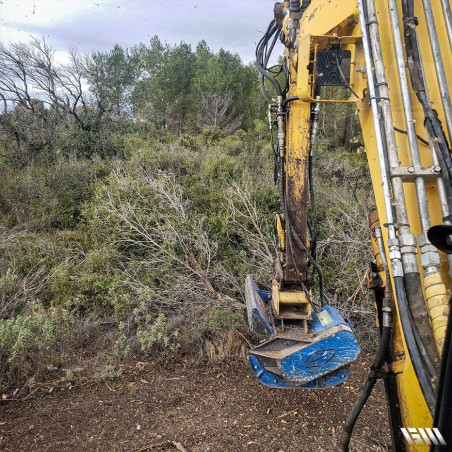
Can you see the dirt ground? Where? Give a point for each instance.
(219, 408)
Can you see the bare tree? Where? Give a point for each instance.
(216, 110)
(247, 221)
(28, 72)
(38, 94)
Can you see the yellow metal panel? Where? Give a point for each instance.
(304, 81)
(413, 407)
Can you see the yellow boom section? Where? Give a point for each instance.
(406, 173)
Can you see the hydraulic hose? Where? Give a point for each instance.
(314, 127)
(437, 302)
(260, 61)
(270, 49)
(367, 388)
(397, 269)
(407, 327)
(439, 66)
(429, 366)
(311, 260)
(432, 124)
(405, 240)
(443, 413)
(295, 6)
(423, 378)
(287, 101)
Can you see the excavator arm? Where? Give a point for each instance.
(309, 344)
(393, 61)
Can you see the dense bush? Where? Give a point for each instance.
(129, 221)
(148, 247)
(48, 195)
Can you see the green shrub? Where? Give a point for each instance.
(29, 342)
(155, 335)
(43, 196)
(225, 319)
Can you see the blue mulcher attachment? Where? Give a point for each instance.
(298, 354)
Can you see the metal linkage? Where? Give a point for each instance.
(412, 173)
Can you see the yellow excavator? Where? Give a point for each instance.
(392, 59)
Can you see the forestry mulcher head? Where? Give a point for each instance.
(303, 348)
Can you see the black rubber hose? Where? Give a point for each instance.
(419, 314)
(295, 6)
(443, 413)
(311, 260)
(366, 390)
(407, 327)
(264, 91)
(313, 247)
(432, 123)
(270, 49)
(313, 227)
(271, 30)
(287, 101)
(423, 352)
(423, 379)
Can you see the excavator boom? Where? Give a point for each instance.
(392, 60)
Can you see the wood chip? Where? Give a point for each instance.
(286, 414)
(179, 446)
(110, 388)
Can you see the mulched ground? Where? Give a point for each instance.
(219, 408)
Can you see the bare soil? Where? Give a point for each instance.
(220, 408)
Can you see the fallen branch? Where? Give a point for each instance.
(245, 339)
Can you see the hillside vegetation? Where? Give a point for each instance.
(136, 193)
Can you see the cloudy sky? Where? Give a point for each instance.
(99, 24)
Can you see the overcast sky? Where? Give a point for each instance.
(100, 24)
